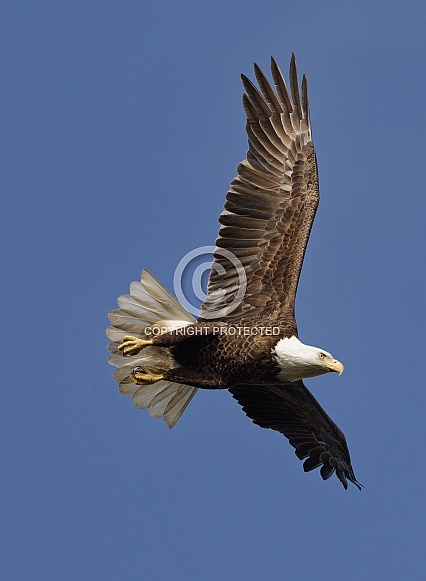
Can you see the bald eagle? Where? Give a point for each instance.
(244, 342)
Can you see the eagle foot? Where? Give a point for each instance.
(132, 345)
(143, 376)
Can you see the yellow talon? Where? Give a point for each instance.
(132, 345)
(143, 376)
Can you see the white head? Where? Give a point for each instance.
(297, 361)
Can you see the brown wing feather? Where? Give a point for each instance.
(271, 205)
(292, 410)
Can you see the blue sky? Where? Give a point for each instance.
(121, 127)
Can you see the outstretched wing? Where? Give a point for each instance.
(270, 207)
(292, 410)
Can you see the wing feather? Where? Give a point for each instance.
(293, 411)
(271, 204)
(294, 87)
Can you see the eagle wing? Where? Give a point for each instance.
(270, 207)
(292, 410)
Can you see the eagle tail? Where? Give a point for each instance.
(149, 304)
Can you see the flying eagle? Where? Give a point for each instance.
(164, 355)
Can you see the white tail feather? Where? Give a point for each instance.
(178, 404)
(149, 304)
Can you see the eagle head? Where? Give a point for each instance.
(298, 361)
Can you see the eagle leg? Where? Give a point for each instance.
(144, 376)
(132, 345)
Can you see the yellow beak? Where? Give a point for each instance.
(335, 366)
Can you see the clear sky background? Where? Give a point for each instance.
(121, 128)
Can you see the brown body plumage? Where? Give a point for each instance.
(205, 355)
